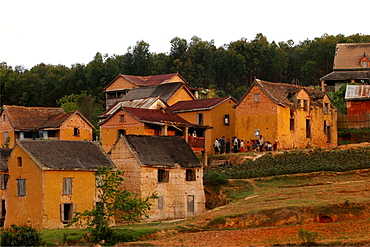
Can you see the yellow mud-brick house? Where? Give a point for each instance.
(50, 180)
(36, 123)
(294, 116)
(165, 165)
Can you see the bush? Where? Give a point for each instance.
(307, 237)
(21, 236)
(215, 178)
(220, 220)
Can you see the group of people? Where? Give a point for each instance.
(235, 145)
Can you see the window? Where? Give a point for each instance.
(21, 187)
(308, 128)
(76, 132)
(163, 176)
(256, 97)
(4, 181)
(257, 133)
(190, 175)
(122, 118)
(200, 118)
(160, 202)
(67, 212)
(227, 119)
(365, 64)
(306, 105)
(67, 186)
(292, 124)
(3, 211)
(19, 161)
(121, 133)
(326, 108)
(4, 117)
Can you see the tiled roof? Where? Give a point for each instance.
(66, 155)
(34, 118)
(163, 151)
(349, 55)
(157, 116)
(282, 93)
(196, 105)
(145, 81)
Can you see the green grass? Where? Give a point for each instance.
(57, 237)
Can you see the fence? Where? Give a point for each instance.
(358, 121)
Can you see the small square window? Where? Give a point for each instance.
(292, 124)
(19, 161)
(76, 132)
(122, 118)
(227, 119)
(67, 186)
(163, 176)
(21, 187)
(200, 118)
(256, 97)
(190, 175)
(4, 181)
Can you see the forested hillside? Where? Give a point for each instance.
(229, 69)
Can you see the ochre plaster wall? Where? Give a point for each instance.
(83, 194)
(262, 115)
(75, 121)
(273, 121)
(109, 130)
(120, 83)
(25, 210)
(5, 126)
(181, 95)
(215, 118)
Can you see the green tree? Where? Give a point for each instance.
(112, 202)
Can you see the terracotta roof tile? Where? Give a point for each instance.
(34, 118)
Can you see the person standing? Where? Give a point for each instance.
(227, 145)
(222, 145)
(262, 143)
(216, 146)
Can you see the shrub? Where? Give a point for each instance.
(307, 237)
(220, 220)
(215, 178)
(21, 236)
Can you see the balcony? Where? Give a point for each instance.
(196, 143)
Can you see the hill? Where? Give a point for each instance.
(273, 210)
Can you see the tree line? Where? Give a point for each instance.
(229, 69)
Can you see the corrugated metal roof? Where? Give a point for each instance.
(157, 116)
(147, 103)
(357, 92)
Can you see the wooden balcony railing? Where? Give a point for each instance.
(196, 143)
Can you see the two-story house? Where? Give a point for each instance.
(216, 112)
(50, 180)
(19, 123)
(295, 116)
(167, 165)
